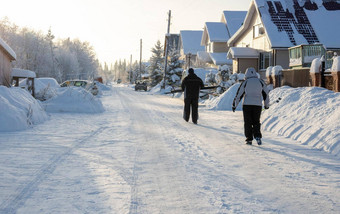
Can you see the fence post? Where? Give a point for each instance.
(269, 75)
(336, 74)
(276, 75)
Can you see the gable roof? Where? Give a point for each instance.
(191, 41)
(293, 22)
(8, 49)
(215, 32)
(233, 20)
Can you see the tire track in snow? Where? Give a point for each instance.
(153, 170)
(214, 170)
(22, 193)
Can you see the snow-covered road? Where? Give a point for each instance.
(140, 156)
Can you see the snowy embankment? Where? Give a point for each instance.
(309, 115)
(73, 100)
(19, 110)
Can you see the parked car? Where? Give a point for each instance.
(90, 86)
(141, 85)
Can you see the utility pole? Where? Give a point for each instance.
(140, 60)
(166, 48)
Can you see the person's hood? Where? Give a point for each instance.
(250, 72)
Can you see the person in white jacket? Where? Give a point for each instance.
(254, 90)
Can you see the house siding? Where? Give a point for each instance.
(5, 69)
(282, 58)
(220, 47)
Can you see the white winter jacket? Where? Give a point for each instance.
(253, 89)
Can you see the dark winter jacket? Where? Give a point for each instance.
(253, 89)
(191, 86)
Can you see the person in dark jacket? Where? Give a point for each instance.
(191, 86)
(253, 89)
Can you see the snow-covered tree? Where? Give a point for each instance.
(61, 59)
(156, 64)
(175, 70)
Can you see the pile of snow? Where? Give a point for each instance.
(74, 100)
(103, 87)
(19, 110)
(225, 101)
(310, 115)
(44, 88)
(315, 66)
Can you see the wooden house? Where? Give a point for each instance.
(7, 55)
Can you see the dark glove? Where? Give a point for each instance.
(266, 107)
(233, 108)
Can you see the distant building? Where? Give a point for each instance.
(7, 55)
(216, 35)
(189, 45)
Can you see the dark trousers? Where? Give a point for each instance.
(252, 125)
(191, 103)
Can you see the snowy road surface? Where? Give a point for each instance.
(140, 156)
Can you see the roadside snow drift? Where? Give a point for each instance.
(310, 115)
(73, 100)
(225, 100)
(19, 110)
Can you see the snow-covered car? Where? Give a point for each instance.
(90, 86)
(141, 85)
(44, 87)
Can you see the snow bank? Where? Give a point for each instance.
(310, 115)
(103, 87)
(19, 110)
(73, 100)
(225, 101)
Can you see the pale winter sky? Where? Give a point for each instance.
(114, 27)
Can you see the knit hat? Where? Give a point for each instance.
(191, 70)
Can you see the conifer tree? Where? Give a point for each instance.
(156, 64)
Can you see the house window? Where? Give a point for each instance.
(265, 60)
(258, 31)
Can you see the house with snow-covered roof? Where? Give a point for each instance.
(233, 20)
(214, 39)
(216, 35)
(273, 26)
(189, 45)
(7, 55)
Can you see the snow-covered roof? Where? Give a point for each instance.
(8, 49)
(291, 23)
(191, 41)
(216, 32)
(17, 72)
(204, 56)
(242, 52)
(220, 59)
(233, 20)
